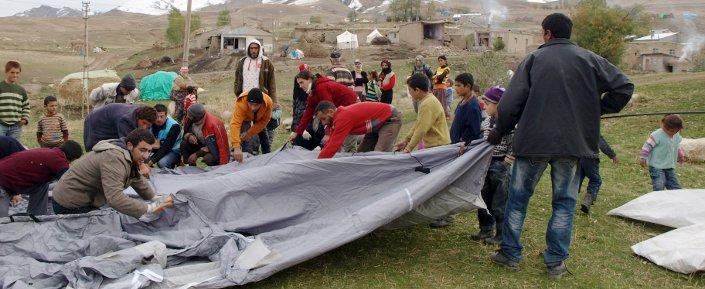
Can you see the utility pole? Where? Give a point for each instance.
(187, 33)
(84, 103)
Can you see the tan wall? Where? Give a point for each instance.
(411, 34)
(518, 43)
(632, 54)
(655, 63)
(661, 63)
(459, 41)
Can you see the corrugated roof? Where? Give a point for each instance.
(656, 36)
(245, 30)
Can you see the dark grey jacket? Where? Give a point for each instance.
(555, 100)
(606, 149)
(112, 121)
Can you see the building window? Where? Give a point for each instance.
(655, 50)
(672, 52)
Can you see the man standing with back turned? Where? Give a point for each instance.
(555, 99)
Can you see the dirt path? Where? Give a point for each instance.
(104, 60)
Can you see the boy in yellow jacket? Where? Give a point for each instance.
(253, 110)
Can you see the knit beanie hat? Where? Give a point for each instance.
(255, 96)
(128, 82)
(197, 111)
(493, 94)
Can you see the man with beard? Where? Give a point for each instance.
(256, 71)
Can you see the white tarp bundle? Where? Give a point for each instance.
(241, 223)
(373, 35)
(681, 250)
(675, 208)
(347, 40)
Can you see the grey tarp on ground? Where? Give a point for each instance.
(242, 223)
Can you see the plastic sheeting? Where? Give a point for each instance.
(157, 86)
(103, 73)
(681, 250)
(674, 208)
(241, 223)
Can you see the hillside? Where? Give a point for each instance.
(49, 12)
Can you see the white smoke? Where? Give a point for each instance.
(495, 12)
(694, 41)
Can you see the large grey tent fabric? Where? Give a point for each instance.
(241, 223)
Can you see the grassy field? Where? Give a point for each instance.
(420, 257)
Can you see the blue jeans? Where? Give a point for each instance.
(263, 137)
(169, 160)
(494, 194)
(590, 168)
(664, 178)
(13, 130)
(61, 210)
(526, 173)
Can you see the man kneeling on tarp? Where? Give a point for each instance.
(379, 122)
(100, 177)
(29, 172)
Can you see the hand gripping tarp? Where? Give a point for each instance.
(681, 250)
(241, 223)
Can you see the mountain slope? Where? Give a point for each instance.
(45, 11)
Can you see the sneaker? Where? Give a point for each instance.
(496, 240)
(481, 235)
(502, 260)
(442, 222)
(557, 272)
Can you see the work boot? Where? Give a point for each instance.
(587, 202)
(442, 222)
(502, 260)
(557, 272)
(481, 235)
(497, 239)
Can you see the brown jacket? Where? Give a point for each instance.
(266, 76)
(243, 113)
(100, 177)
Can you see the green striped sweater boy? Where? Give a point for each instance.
(14, 104)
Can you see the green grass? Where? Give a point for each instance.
(419, 257)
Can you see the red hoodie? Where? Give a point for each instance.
(213, 126)
(325, 89)
(357, 119)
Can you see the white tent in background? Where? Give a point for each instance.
(347, 40)
(373, 35)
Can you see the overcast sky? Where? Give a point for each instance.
(11, 7)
